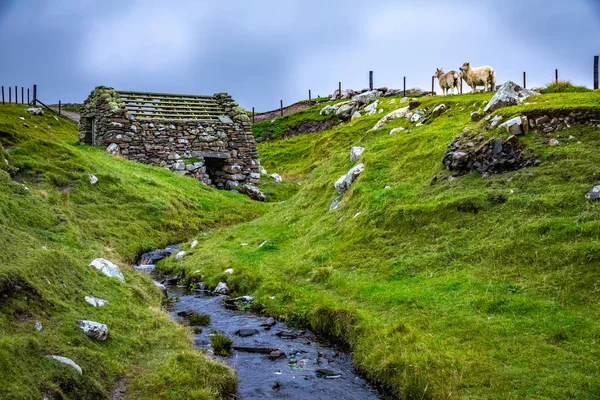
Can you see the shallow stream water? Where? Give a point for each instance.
(309, 369)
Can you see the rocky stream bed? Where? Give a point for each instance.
(271, 359)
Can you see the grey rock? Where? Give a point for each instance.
(509, 94)
(594, 193)
(107, 268)
(553, 142)
(162, 287)
(35, 111)
(344, 182)
(113, 149)
(495, 121)
(96, 302)
(366, 97)
(180, 256)
(93, 179)
(94, 330)
(438, 110)
(335, 203)
(396, 130)
(514, 126)
(193, 244)
(399, 113)
(276, 177)
(371, 108)
(38, 326)
(245, 332)
(253, 192)
(221, 288)
(355, 153)
(476, 116)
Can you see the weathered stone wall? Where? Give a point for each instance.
(221, 153)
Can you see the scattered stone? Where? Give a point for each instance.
(67, 361)
(396, 130)
(194, 244)
(93, 179)
(495, 121)
(327, 373)
(247, 332)
(404, 100)
(451, 178)
(344, 182)
(35, 111)
(221, 288)
(113, 149)
(276, 355)
(509, 94)
(228, 271)
(335, 203)
(594, 193)
(38, 326)
(355, 153)
(371, 108)
(476, 116)
(417, 115)
(433, 180)
(276, 177)
(253, 192)
(263, 171)
(356, 115)
(387, 188)
(96, 302)
(162, 287)
(269, 322)
(438, 110)
(286, 334)
(553, 142)
(107, 268)
(93, 329)
(514, 126)
(180, 256)
(399, 113)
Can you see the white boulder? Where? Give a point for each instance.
(93, 179)
(335, 203)
(509, 94)
(180, 255)
(228, 271)
(514, 126)
(263, 171)
(594, 193)
(107, 268)
(35, 111)
(276, 177)
(344, 182)
(396, 130)
(355, 153)
(113, 149)
(93, 329)
(67, 361)
(399, 113)
(495, 121)
(96, 302)
(366, 97)
(194, 244)
(221, 288)
(356, 115)
(253, 192)
(371, 108)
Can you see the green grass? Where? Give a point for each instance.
(563, 87)
(53, 222)
(476, 288)
(222, 344)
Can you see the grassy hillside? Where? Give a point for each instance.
(53, 222)
(471, 288)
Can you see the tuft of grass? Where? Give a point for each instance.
(199, 319)
(222, 344)
(563, 87)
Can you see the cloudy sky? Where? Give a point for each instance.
(262, 51)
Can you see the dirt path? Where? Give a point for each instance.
(73, 116)
(286, 111)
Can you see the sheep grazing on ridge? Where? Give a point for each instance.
(481, 76)
(449, 80)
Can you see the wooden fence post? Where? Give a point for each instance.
(59, 108)
(404, 87)
(556, 75)
(461, 89)
(10, 94)
(34, 94)
(27, 95)
(2, 95)
(340, 89)
(309, 97)
(22, 95)
(16, 95)
(596, 72)
(281, 107)
(370, 80)
(252, 114)
(433, 85)
(524, 80)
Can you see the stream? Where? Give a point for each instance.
(271, 359)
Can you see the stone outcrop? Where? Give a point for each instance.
(399, 113)
(67, 361)
(495, 155)
(107, 268)
(96, 302)
(509, 94)
(344, 182)
(355, 153)
(94, 330)
(348, 110)
(216, 148)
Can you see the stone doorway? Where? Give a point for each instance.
(214, 169)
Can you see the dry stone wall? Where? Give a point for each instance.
(219, 152)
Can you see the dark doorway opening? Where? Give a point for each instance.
(214, 167)
(89, 129)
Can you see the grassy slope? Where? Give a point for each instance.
(50, 233)
(476, 288)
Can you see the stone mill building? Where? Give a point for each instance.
(205, 137)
